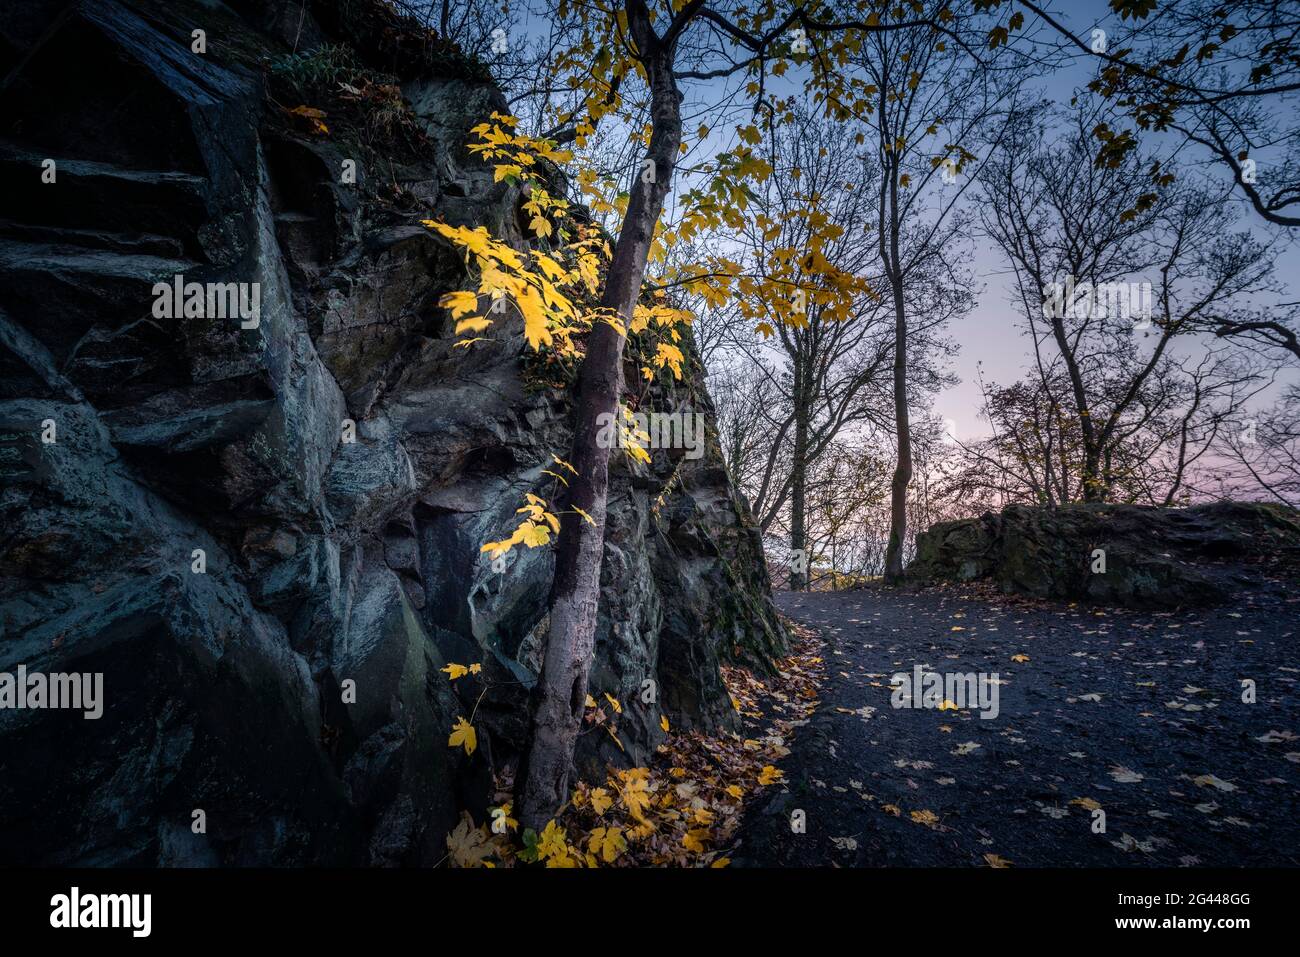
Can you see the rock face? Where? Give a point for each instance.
(270, 604)
(1154, 557)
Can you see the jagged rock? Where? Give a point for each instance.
(332, 567)
(1153, 557)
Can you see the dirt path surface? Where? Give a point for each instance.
(1136, 714)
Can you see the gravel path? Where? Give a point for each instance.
(1136, 714)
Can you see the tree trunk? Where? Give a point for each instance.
(561, 689)
(903, 464)
(798, 495)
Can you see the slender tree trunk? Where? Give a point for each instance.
(798, 493)
(561, 690)
(903, 464)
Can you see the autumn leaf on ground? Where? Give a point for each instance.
(463, 734)
(1020, 659)
(607, 843)
(694, 840)
(663, 722)
(635, 792)
(928, 818)
(1124, 775)
(1210, 781)
(995, 861)
(551, 843)
(1087, 803)
(771, 775)
(468, 845)
(601, 801)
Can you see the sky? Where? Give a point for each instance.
(989, 338)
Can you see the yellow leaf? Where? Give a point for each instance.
(613, 703)
(463, 734)
(467, 845)
(694, 840)
(601, 801)
(551, 843)
(635, 792)
(1019, 657)
(925, 817)
(771, 775)
(663, 721)
(455, 671)
(459, 303)
(996, 861)
(608, 843)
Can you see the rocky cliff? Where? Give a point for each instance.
(1119, 554)
(181, 507)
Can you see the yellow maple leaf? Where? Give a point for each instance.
(736, 791)
(467, 845)
(455, 671)
(925, 817)
(551, 842)
(693, 840)
(463, 734)
(476, 324)
(1019, 657)
(459, 303)
(663, 722)
(608, 843)
(635, 792)
(771, 775)
(601, 801)
(613, 702)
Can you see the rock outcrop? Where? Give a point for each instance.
(1152, 557)
(269, 604)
